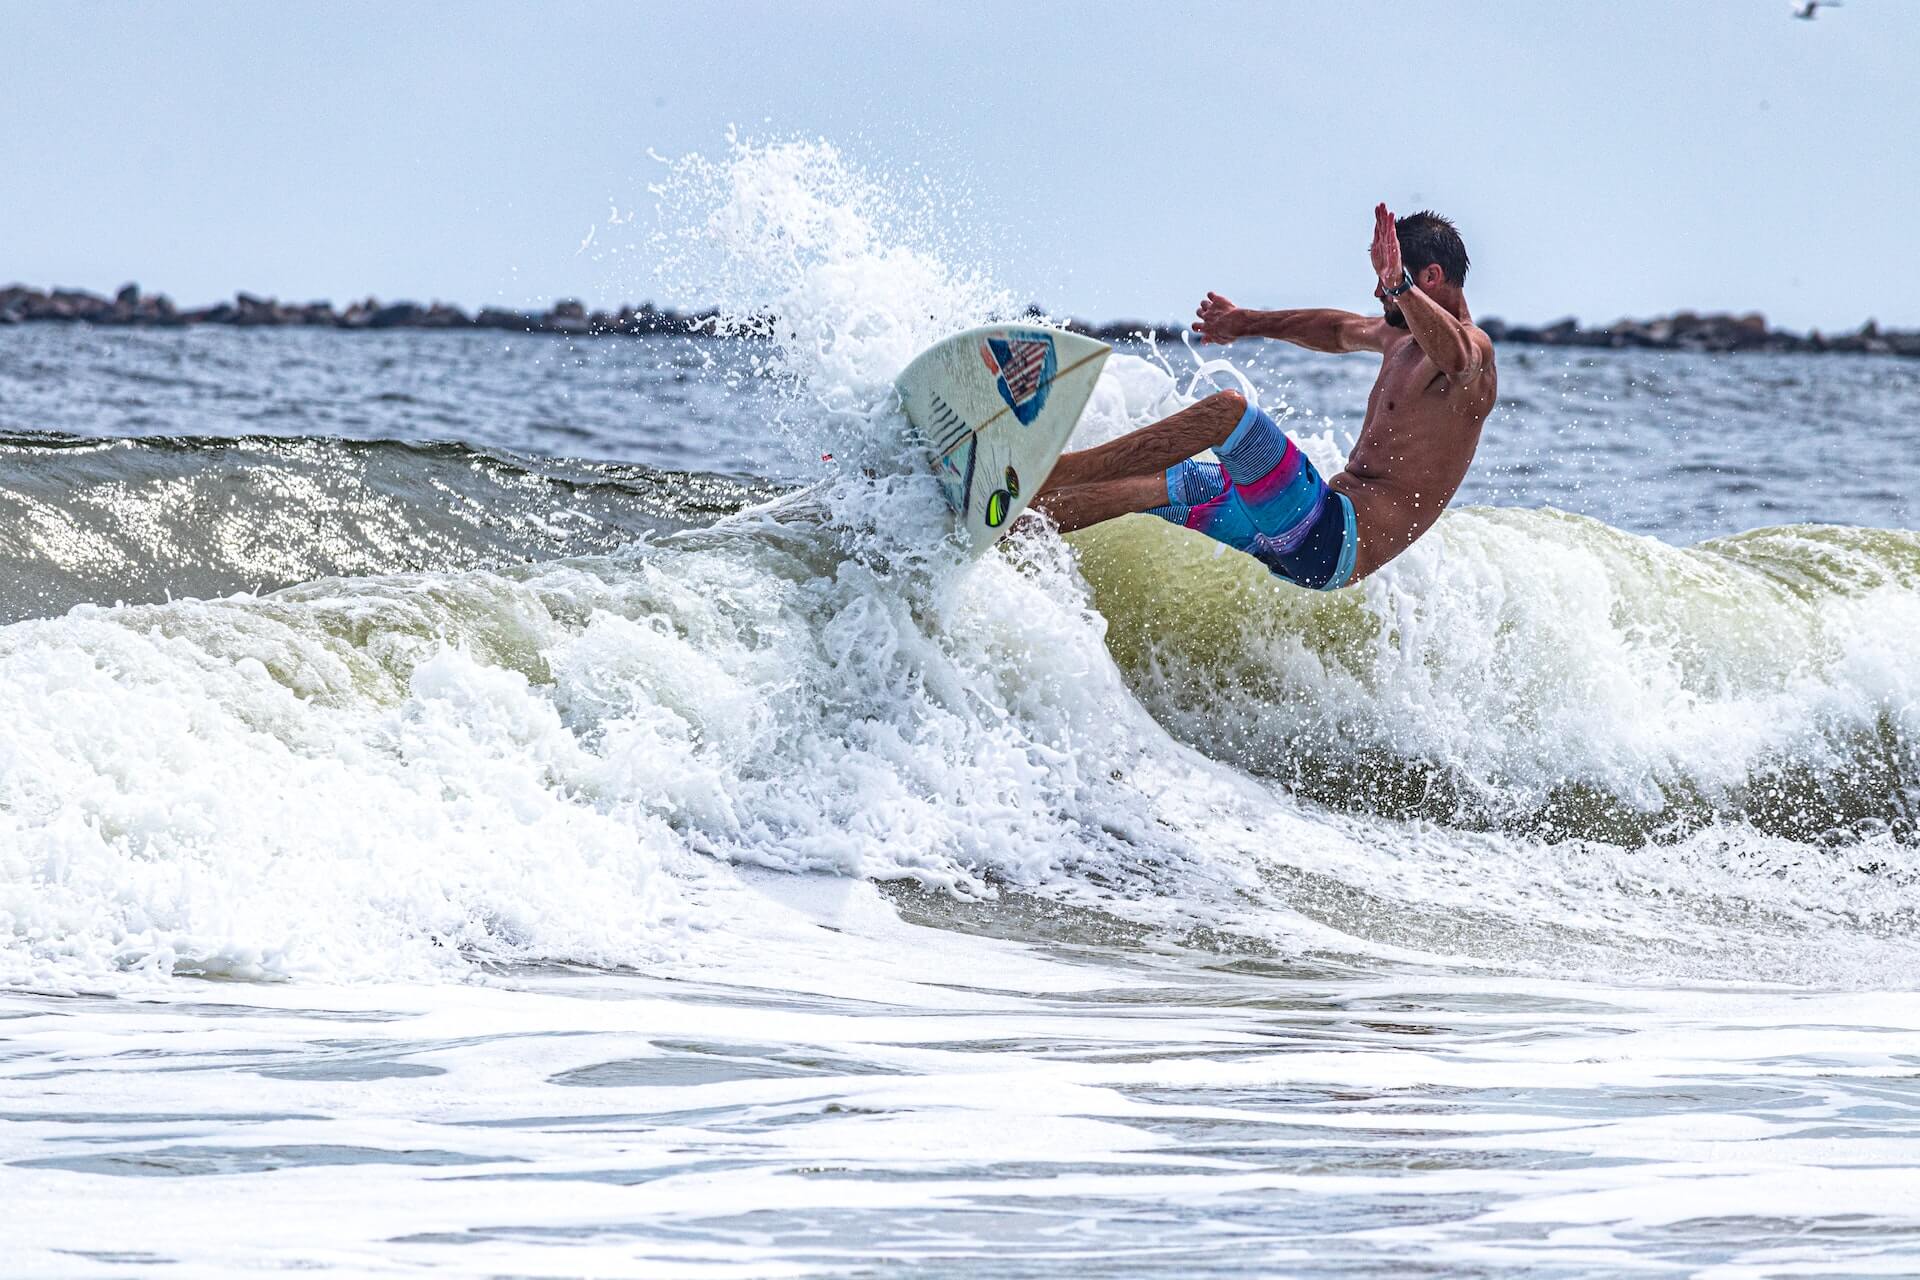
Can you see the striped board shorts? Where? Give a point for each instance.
(1265, 498)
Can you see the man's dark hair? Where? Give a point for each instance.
(1427, 238)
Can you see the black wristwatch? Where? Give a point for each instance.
(1406, 283)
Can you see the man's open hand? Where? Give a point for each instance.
(1220, 321)
(1386, 248)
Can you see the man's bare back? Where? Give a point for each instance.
(1436, 385)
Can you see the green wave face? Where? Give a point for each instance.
(1544, 673)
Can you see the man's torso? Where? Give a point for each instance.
(1414, 449)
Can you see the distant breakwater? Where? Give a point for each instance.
(1691, 331)
(1682, 331)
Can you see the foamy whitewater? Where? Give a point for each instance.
(489, 807)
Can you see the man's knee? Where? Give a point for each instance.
(1227, 408)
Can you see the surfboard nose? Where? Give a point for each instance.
(995, 404)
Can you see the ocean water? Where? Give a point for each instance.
(481, 806)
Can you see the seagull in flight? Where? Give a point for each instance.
(1809, 9)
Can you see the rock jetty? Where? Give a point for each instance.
(1682, 331)
(1690, 331)
(19, 304)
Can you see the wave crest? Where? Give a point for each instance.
(1544, 673)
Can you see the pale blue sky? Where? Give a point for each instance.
(1602, 158)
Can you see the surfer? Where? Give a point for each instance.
(1435, 388)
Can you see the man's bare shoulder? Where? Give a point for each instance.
(1483, 362)
(1481, 339)
(1483, 344)
(1477, 385)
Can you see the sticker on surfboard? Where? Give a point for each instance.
(1023, 363)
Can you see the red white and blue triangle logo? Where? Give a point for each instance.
(1022, 362)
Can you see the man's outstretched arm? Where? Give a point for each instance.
(1315, 328)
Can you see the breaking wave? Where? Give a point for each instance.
(1535, 742)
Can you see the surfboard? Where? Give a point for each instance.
(995, 406)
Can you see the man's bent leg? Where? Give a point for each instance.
(1080, 505)
(1264, 497)
(1152, 449)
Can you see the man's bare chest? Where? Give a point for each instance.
(1407, 379)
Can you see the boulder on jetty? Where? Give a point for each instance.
(397, 315)
(497, 318)
(568, 316)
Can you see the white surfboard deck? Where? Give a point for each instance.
(996, 406)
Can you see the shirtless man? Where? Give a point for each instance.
(1435, 389)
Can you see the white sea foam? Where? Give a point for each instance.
(848, 273)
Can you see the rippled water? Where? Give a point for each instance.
(984, 1109)
(484, 806)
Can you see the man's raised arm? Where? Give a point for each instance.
(1455, 347)
(1315, 328)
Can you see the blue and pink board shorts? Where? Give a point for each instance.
(1265, 498)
